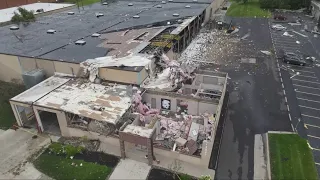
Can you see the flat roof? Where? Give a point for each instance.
(38, 91)
(96, 101)
(33, 41)
(6, 14)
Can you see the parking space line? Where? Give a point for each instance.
(304, 76)
(294, 67)
(305, 81)
(307, 93)
(309, 107)
(293, 43)
(283, 43)
(313, 136)
(312, 125)
(310, 116)
(303, 71)
(305, 86)
(308, 100)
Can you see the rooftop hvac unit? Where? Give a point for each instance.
(33, 77)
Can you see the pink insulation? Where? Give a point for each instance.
(142, 108)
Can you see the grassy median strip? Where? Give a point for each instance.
(291, 157)
(59, 167)
(248, 9)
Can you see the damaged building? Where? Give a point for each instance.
(125, 84)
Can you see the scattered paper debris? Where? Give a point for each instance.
(287, 34)
(299, 33)
(266, 52)
(71, 157)
(298, 42)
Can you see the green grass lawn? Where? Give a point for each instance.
(82, 2)
(249, 9)
(63, 168)
(7, 91)
(291, 157)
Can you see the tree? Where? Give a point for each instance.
(23, 15)
(244, 1)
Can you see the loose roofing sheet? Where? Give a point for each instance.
(95, 101)
(38, 91)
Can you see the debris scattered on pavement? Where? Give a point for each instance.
(266, 52)
(278, 27)
(287, 34)
(245, 36)
(295, 24)
(298, 42)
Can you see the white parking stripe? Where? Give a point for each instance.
(304, 76)
(308, 100)
(306, 86)
(313, 136)
(304, 71)
(312, 125)
(310, 116)
(291, 43)
(309, 107)
(305, 81)
(307, 93)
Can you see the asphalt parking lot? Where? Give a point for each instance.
(301, 84)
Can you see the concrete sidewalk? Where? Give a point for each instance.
(260, 158)
(16, 147)
(130, 169)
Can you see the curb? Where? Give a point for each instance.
(265, 136)
(281, 132)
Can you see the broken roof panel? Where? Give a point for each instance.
(95, 101)
(38, 91)
(138, 130)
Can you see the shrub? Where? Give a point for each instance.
(284, 4)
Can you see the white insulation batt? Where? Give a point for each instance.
(92, 66)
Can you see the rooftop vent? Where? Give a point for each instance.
(51, 31)
(95, 35)
(158, 6)
(80, 42)
(175, 14)
(14, 28)
(187, 6)
(136, 16)
(70, 13)
(99, 14)
(163, 2)
(130, 4)
(170, 0)
(105, 3)
(195, 0)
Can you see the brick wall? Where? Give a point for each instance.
(12, 3)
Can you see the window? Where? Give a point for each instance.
(153, 103)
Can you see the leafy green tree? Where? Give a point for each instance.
(23, 16)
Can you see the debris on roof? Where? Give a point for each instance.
(99, 102)
(91, 66)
